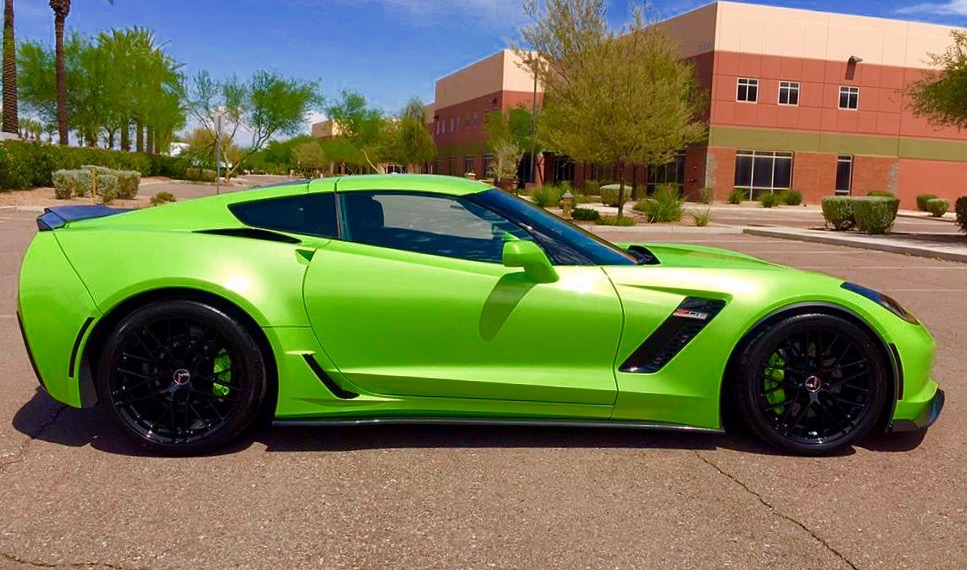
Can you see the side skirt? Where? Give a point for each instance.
(390, 420)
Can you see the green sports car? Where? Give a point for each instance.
(391, 299)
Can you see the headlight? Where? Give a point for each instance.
(885, 301)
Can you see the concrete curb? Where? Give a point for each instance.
(927, 217)
(946, 254)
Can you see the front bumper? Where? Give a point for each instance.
(926, 418)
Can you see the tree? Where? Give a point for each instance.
(10, 122)
(610, 98)
(507, 154)
(362, 126)
(61, 8)
(410, 140)
(509, 133)
(941, 96)
(309, 157)
(267, 105)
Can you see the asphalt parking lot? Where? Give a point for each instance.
(75, 493)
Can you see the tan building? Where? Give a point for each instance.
(799, 99)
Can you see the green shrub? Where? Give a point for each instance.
(701, 219)
(875, 214)
(838, 212)
(706, 195)
(609, 194)
(200, 174)
(128, 180)
(960, 208)
(546, 196)
(737, 195)
(880, 194)
(28, 164)
(790, 197)
(592, 188)
(108, 186)
(162, 198)
(616, 221)
(937, 207)
(664, 206)
(585, 214)
(922, 200)
(770, 199)
(65, 185)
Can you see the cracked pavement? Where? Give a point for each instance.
(75, 494)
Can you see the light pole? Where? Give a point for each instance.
(218, 153)
(532, 63)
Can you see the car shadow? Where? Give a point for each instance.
(44, 419)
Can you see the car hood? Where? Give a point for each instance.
(679, 255)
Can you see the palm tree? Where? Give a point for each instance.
(61, 8)
(9, 71)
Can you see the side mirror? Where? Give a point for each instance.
(530, 256)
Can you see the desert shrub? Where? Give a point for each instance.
(546, 196)
(664, 206)
(960, 208)
(937, 207)
(200, 174)
(700, 218)
(875, 214)
(770, 200)
(616, 221)
(706, 195)
(162, 198)
(65, 184)
(880, 194)
(592, 188)
(585, 214)
(128, 180)
(790, 197)
(108, 186)
(922, 200)
(609, 194)
(838, 212)
(737, 195)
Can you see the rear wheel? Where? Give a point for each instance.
(811, 384)
(181, 377)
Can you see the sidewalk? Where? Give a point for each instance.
(950, 247)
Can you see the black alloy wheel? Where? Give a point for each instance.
(181, 377)
(812, 384)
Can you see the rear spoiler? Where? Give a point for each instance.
(56, 217)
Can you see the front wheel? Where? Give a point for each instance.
(181, 377)
(811, 384)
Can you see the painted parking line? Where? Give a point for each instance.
(883, 267)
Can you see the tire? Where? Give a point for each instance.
(181, 377)
(811, 384)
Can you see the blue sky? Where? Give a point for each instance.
(390, 50)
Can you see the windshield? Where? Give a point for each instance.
(566, 243)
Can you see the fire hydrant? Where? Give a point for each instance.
(567, 204)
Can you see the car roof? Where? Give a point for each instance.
(449, 185)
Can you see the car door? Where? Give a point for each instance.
(414, 301)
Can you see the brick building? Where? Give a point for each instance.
(798, 99)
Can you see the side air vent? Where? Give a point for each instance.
(691, 316)
(252, 233)
(327, 381)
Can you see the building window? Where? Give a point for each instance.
(452, 170)
(453, 121)
(474, 121)
(844, 174)
(789, 93)
(489, 165)
(849, 98)
(458, 123)
(467, 163)
(563, 169)
(748, 90)
(760, 172)
(670, 173)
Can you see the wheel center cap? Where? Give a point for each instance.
(181, 376)
(813, 384)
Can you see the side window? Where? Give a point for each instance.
(309, 214)
(448, 226)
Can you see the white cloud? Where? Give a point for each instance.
(952, 8)
(423, 13)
